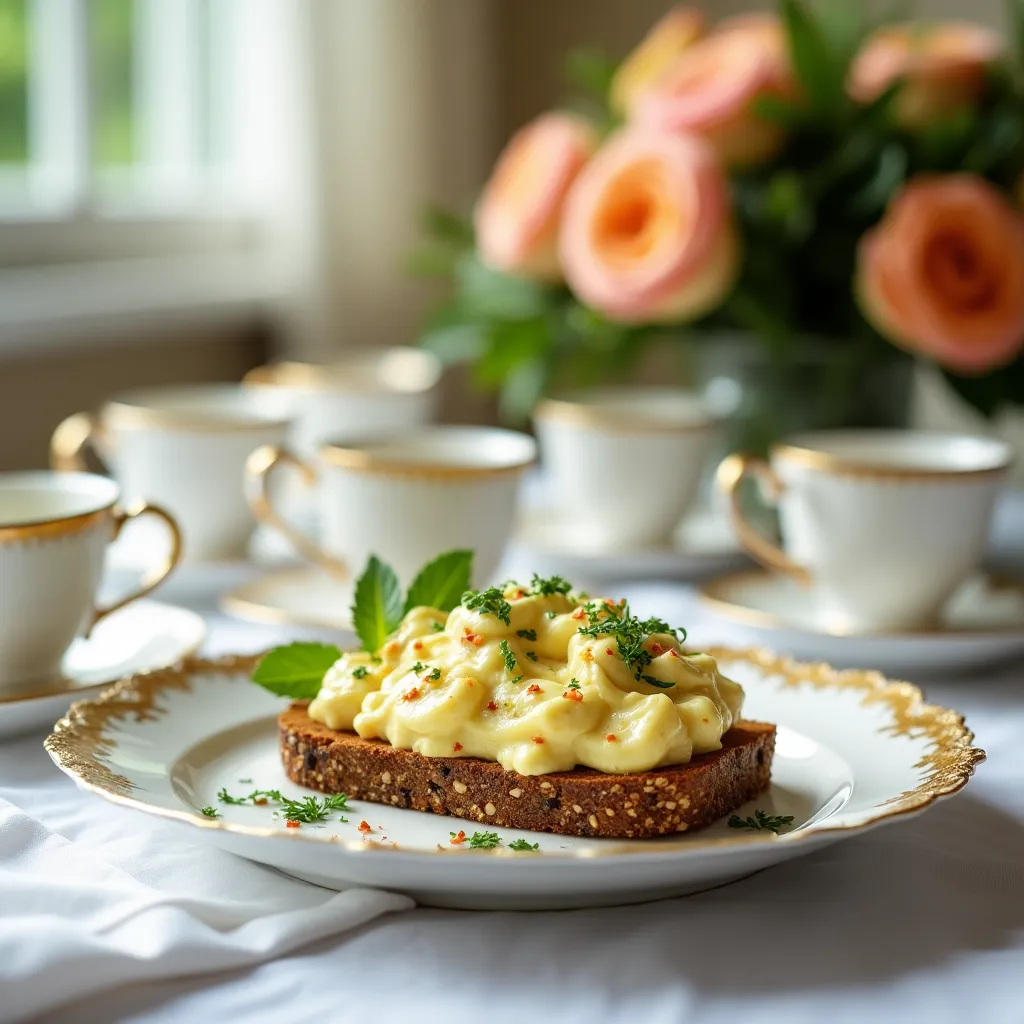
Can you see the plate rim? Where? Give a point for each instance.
(54, 692)
(239, 603)
(77, 742)
(709, 595)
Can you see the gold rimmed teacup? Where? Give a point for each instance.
(54, 530)
(885, 524)
(589, 438)
(184, 447)
(405, 499)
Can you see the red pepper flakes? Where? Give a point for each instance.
(413, 694)
(588, 654)
(260, 801)
(418, 645)
(609, 652)
(456, 747)
(393, 648)
(491, 706)
(573, 695)
(460, 838)
(533, 688)
(673, 653)
(518, 595)
(293, 824)
(656, 648)
(538, 739)
(472, 638)
(705, 720)
(610, 737)
(364, 826)
(470, 682)
(580, 613)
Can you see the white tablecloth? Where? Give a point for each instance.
(922, 920)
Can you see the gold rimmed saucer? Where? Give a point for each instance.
(302, 595)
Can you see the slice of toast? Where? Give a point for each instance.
(582, 802)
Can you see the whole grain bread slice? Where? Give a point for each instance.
(581, 802)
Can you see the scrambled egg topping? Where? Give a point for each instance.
(533, 693)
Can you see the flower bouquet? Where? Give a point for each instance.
(806, 179)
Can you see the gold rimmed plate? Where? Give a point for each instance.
(982, 624)
(855, 750)
(143, 636)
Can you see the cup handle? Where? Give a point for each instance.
(729, 476)
(160, 573)
(258, 470)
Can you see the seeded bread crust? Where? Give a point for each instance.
(582, 802)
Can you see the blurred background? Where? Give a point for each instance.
(191, 187)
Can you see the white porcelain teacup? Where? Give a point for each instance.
(625, 463)
(367, 393)
(884, 524)
(183, 447)
(405, 499)
(54, 529)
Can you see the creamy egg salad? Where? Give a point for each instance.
(537, 678)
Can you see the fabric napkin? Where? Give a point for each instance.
(76, 920)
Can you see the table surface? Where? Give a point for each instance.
(920, 920)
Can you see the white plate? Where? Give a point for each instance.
(298, 596)
(853, 751)
(704, 544)
(983, 624)
(145, 635)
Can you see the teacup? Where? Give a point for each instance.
(885, 524)
(54, 529)
(366, 394)
(626, 463)
(405, 499)
(183, 447)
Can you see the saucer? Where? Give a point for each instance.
(297, 596)
(982, 624)
(703, 545)
(145, 635)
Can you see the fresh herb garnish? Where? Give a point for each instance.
(488, 602)
(441, 583)
(654, 681)
(522, 844)
(483, 840)
(377, 610)
(574, 683)
(438, 627)
(435, 675)
(310, 810)
(551, 615)
(630, 634)
(296, 670)
(532, 655)
(519, 678)
(506, 653)
(360, 672)
(761, 822)
(550, 586)
(418, 667)
(527, 634)
(210, 812)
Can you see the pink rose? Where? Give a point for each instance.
(942, 66)
(518, 214)
(943, 273)
(713, 87)
(647, 233)
(646, 65)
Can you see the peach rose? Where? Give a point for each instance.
(712, 88)
(943, 67)
(518, 214)
(943, 273)
(647, 233)
(643, 68)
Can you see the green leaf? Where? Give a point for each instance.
(448, 227)
(590, 71)
(456, 342)
(377, 610)
(441, 583)
(1015, 20)
(296, 670)
(822, 75)
(487, 294)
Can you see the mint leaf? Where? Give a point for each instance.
(441, 583)
(296, 670)
(377, 610)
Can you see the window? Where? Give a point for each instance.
(121, 115)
